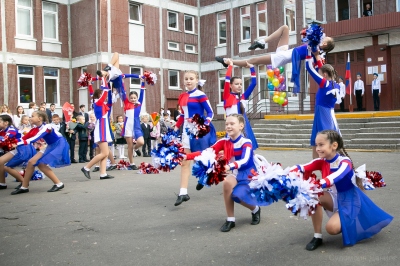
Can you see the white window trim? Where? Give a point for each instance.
(173, 49)
(284, 17)
(304, 10)
(177, 21)
(188, 51)
(56, 25)
(16, 20)
(219, 21)
(241, 25)
(135, 86)
(169, 80)
(140, 13)
(260, 75)
(26, 105)
(337, 9)
(361, 7)
(221, 101)
(397, 6)
(266, 19)
(184, 19)
(58, 104)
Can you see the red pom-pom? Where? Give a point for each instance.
(150, 77)
(376, 178)
(218, 174)
(6, 143)
(147, 168)
(84, 79)
(198, 127)
(122, 165)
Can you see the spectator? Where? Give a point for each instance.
(18, 116)
(359, 91)
(55, 124)
(83, 136)
(82, 113)
(376, 91)
(368, 11)
(342, 93)
(119, 140)
(42, 107)
(177, 113)
(70, 136)
(154, 135)
(53, 110)
(32, 108)
(146, 128)
(6, 111)
(24, 125)
(162, 113)
(91, 127)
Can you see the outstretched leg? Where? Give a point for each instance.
(282, 33)
(115, 60)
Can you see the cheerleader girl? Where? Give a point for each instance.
(283, 54)
(56, 154)
(350, 211)
(239, 151)
(15, 158)
(234, 103)
(328, 92)
(102, 132)
(192, 102)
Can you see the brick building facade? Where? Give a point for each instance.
(46, 45)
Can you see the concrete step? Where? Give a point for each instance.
(279, 145)
(373, 146)
(382, 124)
(373, 141)
(283, 141)
(380, 130)
(292, 136)
(300, 131)
(340, 120)
(375, 136)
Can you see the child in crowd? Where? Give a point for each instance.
(32, 108)
(154, 135)
(91, 126)
(24, 125)
(83, 136)
(146, 129)
(55, 124)
(119, 140)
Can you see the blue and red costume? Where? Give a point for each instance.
(102, 110)
(360, 218)
(324, 113)
(22, 154)
(191, 103)
(232, 102)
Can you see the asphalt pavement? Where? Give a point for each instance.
(132, 220)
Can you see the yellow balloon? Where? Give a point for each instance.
(283, 94)
(275, 98)
(275, 82)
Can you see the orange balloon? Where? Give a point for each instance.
(276, 93)
(270, 73)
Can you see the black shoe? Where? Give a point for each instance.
(255, 218)
(138, 153)
(98, 72)
(86, 160)
(81, 161)
(20, 191)
(199, 186)
(133, 167)
(314, 244)
(147, 155)
(73, 161)
(106, 177)
(107, 68)
(19, 186)
(86, 173)
(256, 45)
(96, 169)
(55, 188)
(3, 187)
(115, 157)
(227, 226)
(221, 60)
(112, 167)
(181, 198)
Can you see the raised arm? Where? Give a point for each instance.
(313, 73)
(344, 168)
(247, 149)
(227, 83)
(103, 96)
(207, 106)
(141, 96)
(217, 147)
(253, 84)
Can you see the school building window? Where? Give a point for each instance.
(309, 11)
(24, 18)
(50, 21)
(51, 85)
(221, 78)
(221, 28)
(172, 20)
(343, 10)
(245, 22)
(26, 87)
(262, 29)
(135, 13)
(189, 24)
(189, 48)
(290, 15)
(135, 82)
(173, 79)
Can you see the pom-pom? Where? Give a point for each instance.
(313, 36)
(146, 168)
(84, 79)
(376, 178)
(35, 176)
(7, 143)
(123, 165)
(169, 153)
(150, 77)
(209, 168)
(198, 127)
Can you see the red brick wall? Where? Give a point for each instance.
(39, 86)
(188, 2)
(64, 86)
(120, 27)
(208, 36)
(103, 34)
(12, 86)
(330, 11)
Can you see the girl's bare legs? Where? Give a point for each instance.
(115, 60)
(30, 168)
(103, 146)
(14, 173)
(185, 172)
(130, 149)
(3, 160)
(111, 157)
(228, 185)
(282, 34)
(139, 143)
(334, 227)
(49, 173)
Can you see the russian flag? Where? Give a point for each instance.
(348, 76)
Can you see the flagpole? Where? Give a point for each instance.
(348, 60)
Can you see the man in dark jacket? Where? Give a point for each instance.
(83, 137)
(146, 136)
(70, 136)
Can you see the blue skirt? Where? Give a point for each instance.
(241, 192)
(324, 118)
(360, 218)
(95, 145)
(249, 134)
(25, 153)
(205, 142)
(296, 69)
(56, 154)
(137, 129)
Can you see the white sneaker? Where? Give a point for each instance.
(122, 157)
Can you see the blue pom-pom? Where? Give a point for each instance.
(313, 36)
(199, 170)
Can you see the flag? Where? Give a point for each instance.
(348, 76)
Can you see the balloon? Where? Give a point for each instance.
(281, 100)
(270, 86)
(276, 71)
(27, 97)
(271, 93)
(270, 72)
(275, 82)
(271, 79)
(283, 94)
(275, 98)
(281, 69)
(285, 102)
(283, 87)
(276, 93)
(281, 79)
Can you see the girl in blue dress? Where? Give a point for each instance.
(328, 93)
(239, 152)
(351, 212)
(15, 158)
(234, 103)
(56, 154)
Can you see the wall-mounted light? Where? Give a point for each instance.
(382, 48)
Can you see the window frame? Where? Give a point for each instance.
(16, 20)
(221, 90)
(169, 80)
(284, 16)
(304, 10)
(58, 85)
(261, 75)
(245, 76)
(33, 85)
(173, 49)
(241, 24)
(177, 21)
(188, 51)
(193, 23)
(140, 13)
(337, 10)
(218, 28)
(135, 86)
(266, 18)
(56, 20)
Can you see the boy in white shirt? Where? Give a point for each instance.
(376, 91)
(342, 93)
(359, 91)
(55, 124)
